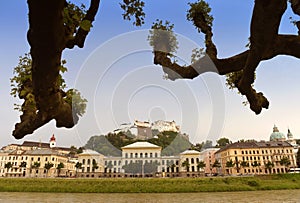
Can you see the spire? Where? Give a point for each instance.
(52, 141)
(289, 134)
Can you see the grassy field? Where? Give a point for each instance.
(151, 185)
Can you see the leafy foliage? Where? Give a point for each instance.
(110, 144)
(229, 164)
(134, 8)
(269, 165)
(186, 164)
(36, 165)
(216, 164)
(222, 142)
(201, 165)
(8, 165)
(23, 164)
(73, 18)
(285, 161)
(199, 13)
(78, 165)
(48, 165)
(162, 37)
(197, 54)
(95, 165)
(21, 85)
(244, 164)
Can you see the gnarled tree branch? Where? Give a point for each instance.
(265, 43)
(81, 34)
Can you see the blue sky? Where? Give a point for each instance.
(115, 72)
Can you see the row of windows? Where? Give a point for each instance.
(264, 158)
(26, 158)
(115, 163)
(88, 162)
(265, 151)
(141, 155)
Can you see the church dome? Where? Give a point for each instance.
(276, 135)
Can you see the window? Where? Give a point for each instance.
(146, 155)
(150, 155)
(156, 155)
(83, 161)
(46, 159)
(39, 158)
(88, 162)
(242, 152)
(235, 152)
(131, 155)
(126, 155)
(192, 160)
(141, 155)
(136, 155)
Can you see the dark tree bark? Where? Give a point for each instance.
(48, 38)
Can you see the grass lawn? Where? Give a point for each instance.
(151, 185)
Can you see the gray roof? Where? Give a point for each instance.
(254, 144)
(42, 152)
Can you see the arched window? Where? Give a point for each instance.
(192, 160)
(146, 155)
(83, 161)
(88, 161)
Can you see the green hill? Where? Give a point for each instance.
(172, 143)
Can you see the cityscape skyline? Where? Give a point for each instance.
(204, 108)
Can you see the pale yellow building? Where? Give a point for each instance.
(92, 164)
(253, 157)
(30, 159)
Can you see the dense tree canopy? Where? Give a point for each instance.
(55, 25)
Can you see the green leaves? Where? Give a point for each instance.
(162, 37)
(78, 103)
(86, 25)
(134, 8)
(73, 18)
(21, 85)
(199, 13)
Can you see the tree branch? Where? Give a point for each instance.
(81, 34)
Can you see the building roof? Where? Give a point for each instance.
(190, 152)
(89, 152)
(141, 145)
(42, 152)
(35, 144)
(42, 145)
(255, 144)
